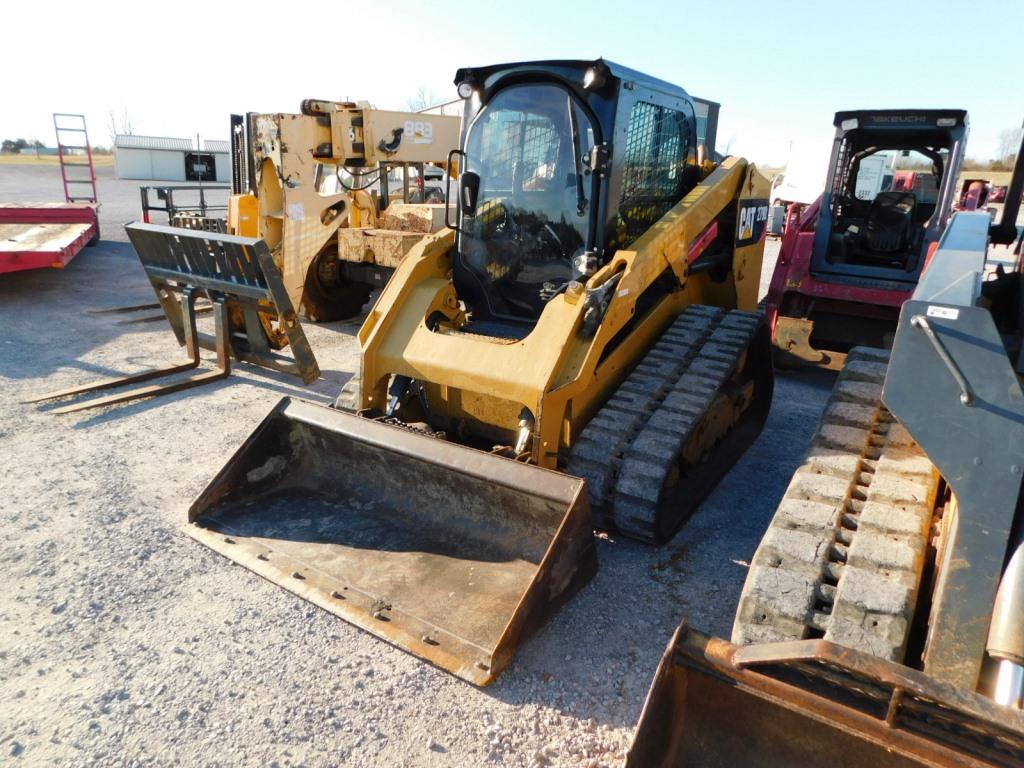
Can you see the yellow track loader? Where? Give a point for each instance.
(882, 619)
(579, 348)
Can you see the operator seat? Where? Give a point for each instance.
(889, 224)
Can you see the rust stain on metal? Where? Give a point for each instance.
(450, 553)
(815, 704)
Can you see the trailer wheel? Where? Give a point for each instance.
(327, 296)
(95, 238)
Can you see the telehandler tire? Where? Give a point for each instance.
(329, 297)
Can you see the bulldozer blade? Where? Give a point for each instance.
(813, 704)
(450, 553)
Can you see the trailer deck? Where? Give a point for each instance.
(42, 235)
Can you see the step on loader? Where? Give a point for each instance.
(581, 341)
(882, 619)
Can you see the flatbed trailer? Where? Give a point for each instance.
(44, 235)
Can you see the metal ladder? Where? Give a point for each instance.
(64, 124)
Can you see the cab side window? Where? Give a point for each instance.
(654, 168)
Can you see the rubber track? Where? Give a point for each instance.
(628, 448)
(844, 554)
(348, 397)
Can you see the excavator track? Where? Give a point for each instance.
(648, 455)
(844, 555)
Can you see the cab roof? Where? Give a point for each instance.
(901, 119)
(569, 69)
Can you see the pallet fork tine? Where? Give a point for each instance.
(201, 309)
(157, 318)
(122, 310)
(188, 312)
(186, 267)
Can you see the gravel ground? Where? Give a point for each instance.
(123, 642)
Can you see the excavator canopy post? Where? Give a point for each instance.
(453, 554)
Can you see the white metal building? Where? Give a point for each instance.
(162, 158)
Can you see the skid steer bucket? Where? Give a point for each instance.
(451, 553)
(813, 704)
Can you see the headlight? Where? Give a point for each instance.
(593, 78)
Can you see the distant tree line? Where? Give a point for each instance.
(1006, 156)
(16, 146)
(28, 146)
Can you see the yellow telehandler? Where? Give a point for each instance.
(310, 232)
(581, 339)
(315, 188)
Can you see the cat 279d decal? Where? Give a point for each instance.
(752, 221)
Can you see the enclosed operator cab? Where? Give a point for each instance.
(889, 193)
(853, 256)
(567, 162)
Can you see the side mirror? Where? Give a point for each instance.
(469, 192)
